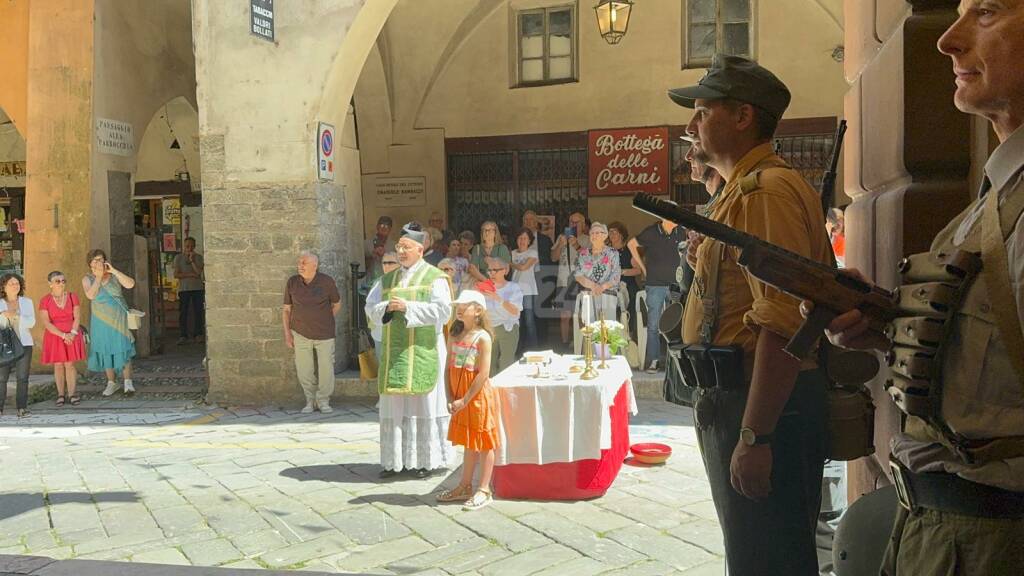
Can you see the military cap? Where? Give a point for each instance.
(738, 79)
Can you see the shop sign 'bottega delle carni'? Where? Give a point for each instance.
(628, 161)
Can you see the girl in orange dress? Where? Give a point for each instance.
(472, 401)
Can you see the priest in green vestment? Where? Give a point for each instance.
(412, 304)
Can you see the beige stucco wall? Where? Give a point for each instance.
(437, 87)
(14, 19)
(157, 161)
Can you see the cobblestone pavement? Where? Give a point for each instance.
(174, 482)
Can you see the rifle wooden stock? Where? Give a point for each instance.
(831, 291)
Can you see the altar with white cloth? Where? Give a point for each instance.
(562, 438)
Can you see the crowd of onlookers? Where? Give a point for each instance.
(532, 280)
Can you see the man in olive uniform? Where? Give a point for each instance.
(760, 413)
(960, 469)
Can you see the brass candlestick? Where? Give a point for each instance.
(589, 372)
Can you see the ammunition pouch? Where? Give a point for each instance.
(707, 371)
(933, 291)
(706, 366)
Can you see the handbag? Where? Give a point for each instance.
(367, 359)
(11, 349)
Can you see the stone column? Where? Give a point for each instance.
(908, 159)
(262, 203)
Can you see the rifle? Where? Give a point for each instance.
(831, 291)
(828, 180)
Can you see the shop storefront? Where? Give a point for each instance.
(166, 213)
(498, 178)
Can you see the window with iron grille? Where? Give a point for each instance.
(713, 26)
(500, 186)
(546, 46)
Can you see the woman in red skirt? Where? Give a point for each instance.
(62, 344)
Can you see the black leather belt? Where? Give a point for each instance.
(950, 493)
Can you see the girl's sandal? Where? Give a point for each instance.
(479, 500)
(456, 494)
(76, 399)
(60, 401)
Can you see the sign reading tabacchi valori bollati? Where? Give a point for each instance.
(628, 161)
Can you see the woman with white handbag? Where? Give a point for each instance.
(111, 343)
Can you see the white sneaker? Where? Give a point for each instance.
(110, 389)
(653, 368)
(326, 408)
(308, 409)
(129, 388)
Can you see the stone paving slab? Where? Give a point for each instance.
(182, 484)
(41, 566)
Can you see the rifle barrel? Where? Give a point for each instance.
(712, 229)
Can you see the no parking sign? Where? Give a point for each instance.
(325, 152)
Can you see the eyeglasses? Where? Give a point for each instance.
(493, 270)
(448, 270)
(389, 263)
(404, 248)
(60, 281)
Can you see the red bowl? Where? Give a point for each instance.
(651, 453)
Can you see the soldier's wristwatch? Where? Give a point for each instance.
(751, 438)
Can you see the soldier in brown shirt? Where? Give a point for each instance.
(311, 301)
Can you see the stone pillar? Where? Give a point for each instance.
(59, 143)
(908, 159)
(262, 204)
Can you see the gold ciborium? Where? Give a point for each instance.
(589, 372)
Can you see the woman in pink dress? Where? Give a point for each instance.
(62, 344)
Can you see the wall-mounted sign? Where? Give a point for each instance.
(261, 18)
(14, 168)
(628, 161)
(115, 137)
(172, 211)
(401, 191)
(325, 152)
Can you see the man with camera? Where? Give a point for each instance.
(376, 246)
(188, 271)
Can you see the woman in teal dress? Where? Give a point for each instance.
(111, 345)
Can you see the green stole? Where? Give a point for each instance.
(409, 359)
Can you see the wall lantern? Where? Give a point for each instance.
(613, 18)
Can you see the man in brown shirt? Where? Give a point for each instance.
(761, 422)
(311, 301)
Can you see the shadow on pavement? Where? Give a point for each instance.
(17, 503)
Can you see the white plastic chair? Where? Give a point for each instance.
(641, 325)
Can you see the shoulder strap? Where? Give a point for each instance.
(752, 181)
(996, 271)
